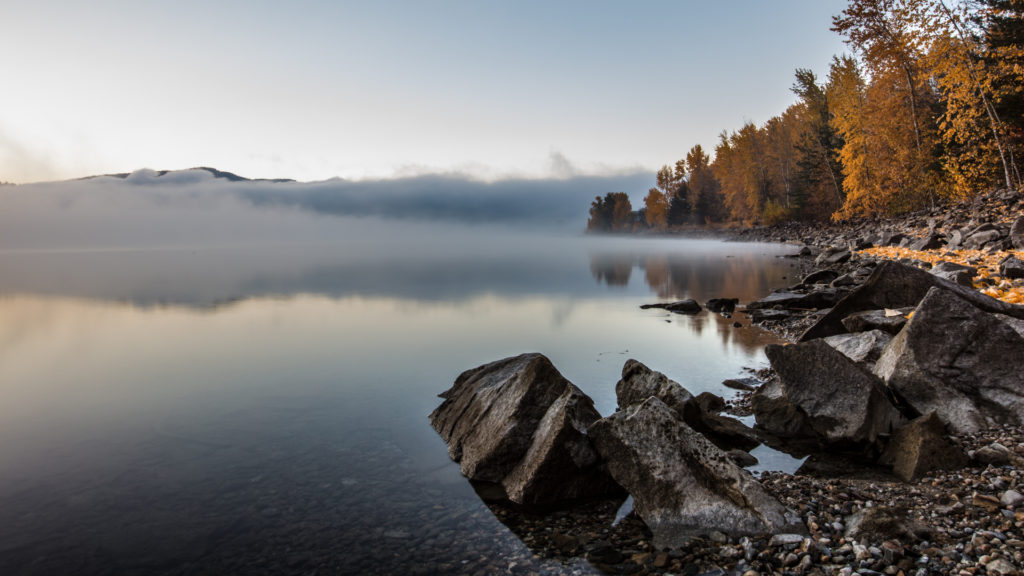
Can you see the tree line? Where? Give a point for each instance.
(928, 108)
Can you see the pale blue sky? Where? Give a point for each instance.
(315, 89)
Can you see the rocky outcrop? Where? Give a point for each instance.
(894, 285)
(682, 485)
(638, 383)
(959, 361)
(919, 447)
(838, 401)
(520, 424)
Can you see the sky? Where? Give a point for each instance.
(315, 89)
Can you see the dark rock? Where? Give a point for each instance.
(894, 285)
(742, 458)
(834, 256)
(688, 306)
(820, 277)
(682, 485)
(1017, 233)
(889, 321)
(722, 305)
(795, 300)
(891, 239)
(977, 240)
(841, 402)
(881, 523)
(958, 273)
(1011, 267)
(639, 383)
(762, 315)
(862, 347)
(742, 384)
(932, 241)
(961, 362)
(519, 423)
(919, 447)
(995, 454)
(845, 280)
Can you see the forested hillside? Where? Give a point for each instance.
(928, 107)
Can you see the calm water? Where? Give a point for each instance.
(263, 408)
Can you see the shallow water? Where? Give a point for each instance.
(214, 409)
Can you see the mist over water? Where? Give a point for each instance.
(194, 379)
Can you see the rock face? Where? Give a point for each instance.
(919, 447)
(682, 485)
(959, 361)
(840, 401)
(519, 423)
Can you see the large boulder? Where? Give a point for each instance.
(961, 362)
(682, 485)
(919, 447)
(894, 285)
(839, 401)
(638, 383)
(520, 424)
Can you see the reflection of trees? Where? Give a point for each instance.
(611, 269)
(700, 276)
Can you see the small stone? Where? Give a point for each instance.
(1011, 498)
(786, 540)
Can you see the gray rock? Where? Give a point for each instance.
(977, 240)
(688, 306)
(841, 402)
(741, 458)
(957, 273)
(932, 241)
(887, 321)
(894, 285)
(863, 347)
(520, 424)
(956, 238)
(1017, 233)
(994, 453)
(834, 256)
(886, 523)
(812, 300)
(919, 447)
(638, 383)
(742, 384)
(682, 485)
(1000, 567)
(1016, 323)
(764, 315)
(820, 277)
(1012, 498)
(961, 362)
(1011, 267)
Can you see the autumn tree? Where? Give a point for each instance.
(656, 206)
(704, 194)
(614, 213)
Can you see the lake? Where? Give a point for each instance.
(262, 407)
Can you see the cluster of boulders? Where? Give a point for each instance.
(518, 424)
(888, 369)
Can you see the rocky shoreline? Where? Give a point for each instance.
(913, 469)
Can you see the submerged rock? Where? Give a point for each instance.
(682, 485)
(839, 401)
(520, 424)
(688, 306)
(961, 362)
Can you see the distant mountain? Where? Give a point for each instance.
(230, 176)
